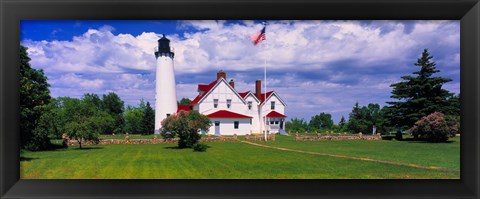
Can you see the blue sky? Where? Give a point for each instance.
(315, 66)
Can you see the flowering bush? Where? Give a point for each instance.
(186, 126)
(435, 127)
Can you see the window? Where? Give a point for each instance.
(249, 105)
(235, 124)
(215, 103)
(168, 114)
(229, 103)
(272, 105)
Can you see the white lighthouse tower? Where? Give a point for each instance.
(165, 94)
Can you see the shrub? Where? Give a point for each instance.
(185, 125)
(435, 127)
(200, 147)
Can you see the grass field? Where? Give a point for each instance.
(237, 160)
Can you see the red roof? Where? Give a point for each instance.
(275, 114)
(205, 89)
(244, 94)
(183, 108)
(262, 96)
(226, 114)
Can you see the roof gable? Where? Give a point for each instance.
(210, 87)
(246, 94)
(269, 95)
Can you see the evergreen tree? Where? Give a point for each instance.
(363, 119)
(342, 122)
(148, 120)
(34, 98)
(357, 120)
(419, 95)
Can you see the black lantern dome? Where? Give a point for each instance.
(164, 48)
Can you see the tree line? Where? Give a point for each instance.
(421, 106)
(43, 118)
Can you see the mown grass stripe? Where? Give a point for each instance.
(354, 157)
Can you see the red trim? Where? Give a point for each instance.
(275, 114)
(183, 108)
(205, 89)
(226, 114)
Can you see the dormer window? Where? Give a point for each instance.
(249, 105)
(272, 105)
(215, 103)
(229, 103)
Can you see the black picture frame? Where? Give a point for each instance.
(468, 11)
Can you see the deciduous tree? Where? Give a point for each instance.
(296, 125)
(184, 101)
(114, 106)
(323, 121)
(34, 97)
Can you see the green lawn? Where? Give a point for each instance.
(236, 160)
(445, 155)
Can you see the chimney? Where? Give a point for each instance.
(258, 88)
(232, 84)
(221, 74)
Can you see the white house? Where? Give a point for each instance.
(232, 112)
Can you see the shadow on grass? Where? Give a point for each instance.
(176, 147)
(27, 159)
(88, 148)
(413, 140)
(173, 147)
(54, 147)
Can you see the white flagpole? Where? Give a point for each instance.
(265, 79)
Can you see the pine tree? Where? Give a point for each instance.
(342, 122)
(418, 95)
(356, 120)
(148, 120)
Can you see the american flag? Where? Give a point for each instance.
(258, 37)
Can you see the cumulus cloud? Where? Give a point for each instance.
(316, 66)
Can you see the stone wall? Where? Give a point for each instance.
(358, 136)
(73, 142)
(259, 137)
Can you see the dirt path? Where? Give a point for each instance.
(354, 157)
